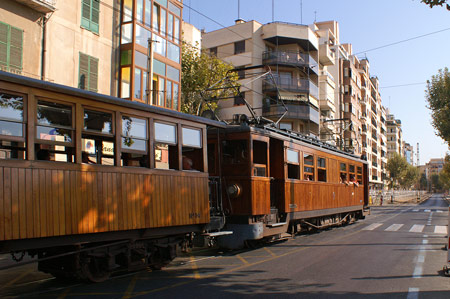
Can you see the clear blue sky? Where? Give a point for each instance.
(367, 25)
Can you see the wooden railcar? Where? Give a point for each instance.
(96, 181)
(277, 182)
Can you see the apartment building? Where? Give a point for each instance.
(408, 150)
(101, 46)
(394, 135)
(291, 53)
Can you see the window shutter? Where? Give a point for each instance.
(86, 13)
(83, 71)
(3, 44)
(95, 15)
(15, 50)
(93, 74)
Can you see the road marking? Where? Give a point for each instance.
(373, 226)
(194, 268)
(64, 294)
(427, 211)
(394, 227)
(417, 228)
(424, 241)
(440, 229)
(413, 293)
(439, 211)
(241, 258)
(130, 288)
(16, 279)
(418, 271)
(416, 210)
(420, 259)
(270, 252)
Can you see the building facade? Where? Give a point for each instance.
(394, 135)
(101, 46)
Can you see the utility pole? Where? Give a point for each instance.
(149, 95)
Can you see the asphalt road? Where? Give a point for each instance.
(396, 252)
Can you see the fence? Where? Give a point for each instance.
(395, 196)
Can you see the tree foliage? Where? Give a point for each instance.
(401, 172)
(438, 96)
(201, 71)
(432, 3)
(444, 175)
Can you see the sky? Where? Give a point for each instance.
(366, 24)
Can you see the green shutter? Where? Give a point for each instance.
(93, 74)
(90, 15)
(4, 44)
(86, 14)
(83, 71)
(95, 15)
(15, 50)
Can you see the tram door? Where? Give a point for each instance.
(276, 157)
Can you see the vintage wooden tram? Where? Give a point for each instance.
(90, 183)
(276, 181)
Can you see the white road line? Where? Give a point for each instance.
(394, 227)
(427, 211)
(440, 229)
(413, 293)
(416, 210)
(373, 226)
(417, 228)
(424, 241)
(417, 271)
(420, 259)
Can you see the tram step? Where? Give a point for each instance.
(217, 234)
(276, 224)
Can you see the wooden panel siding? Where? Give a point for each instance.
(39, 200)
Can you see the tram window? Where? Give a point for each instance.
(235, 152)
(97, 142)
(343, 177)
(259, 158)
(134, 142)
(166, 149)
(308, 169)
(12, 141)
(293, 164)
(359, 175)
(54, 132)
(321, 170)
(192, 151)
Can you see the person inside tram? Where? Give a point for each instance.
(353, 181)
(187, 163)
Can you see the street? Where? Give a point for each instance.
(396, 252)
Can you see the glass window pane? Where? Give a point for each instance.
(148, 10)
(321, 162)
(127, 10)
(159, 67)
(140, 59)
(163, 21)
(175, 96)
(170, 27)
(175, 9)
(134, 144)
(125, 83)
(53, 134)
(359, 170)
(351, 168)
(169, 95)
(11, 128)
(125, 57)
(308, 159)
(343, 167)
(292, 156)
(144, 88)
(137, 83)
(192, 137)
(156, 17)
(165, 133)
(134, 127)
(173, 73)
(127, 33)
(11, 107)
(54, 114)
(98, 121)
(176, 30)
(160, 45)
(140, 10)
(142, 36)
(161, 92)
(173, 52)
(162, 2)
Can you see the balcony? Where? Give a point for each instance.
(374, 136)
(326, 56)
(301, 111)
(42, 6)
(374, 164)
(291, 85)
(290, 58)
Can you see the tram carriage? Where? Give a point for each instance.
(276, 181)
(90, 183)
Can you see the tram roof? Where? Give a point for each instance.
(35, 83)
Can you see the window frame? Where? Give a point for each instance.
(298, 164)
(313, 173)
(238, 48)
(146, 140)
(24, 118)
(322, 168)
(88, 23)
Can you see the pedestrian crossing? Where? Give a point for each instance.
(415, 228)
(428, 210)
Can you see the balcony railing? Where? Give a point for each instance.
(291, 85)
(300, 110)
(290, 58)
(43, 6)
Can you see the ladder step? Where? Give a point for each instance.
(217, 234)
(276, 224)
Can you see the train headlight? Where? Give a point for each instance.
(234, 190)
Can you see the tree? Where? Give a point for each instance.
(409, 176)
(435, 182)
(423, 182)
(444, 175)
(201, 71)
(432, 3)
(397, 166)
(438, 96)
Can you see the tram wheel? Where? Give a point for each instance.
(95, 269)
